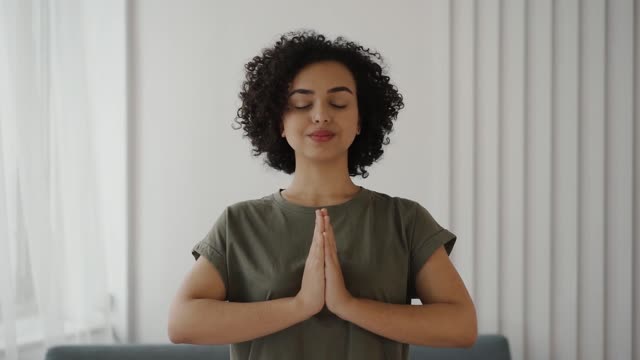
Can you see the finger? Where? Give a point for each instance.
(319, 224)
(332, 263)
(321, 252)
(326, 219)
(329, 253)
(331, 235)
(318, 220)
(320, 216)
(330, 239)
(321, 230)
(315, 240)
(325, 213)
(327, 250)
(327, 234)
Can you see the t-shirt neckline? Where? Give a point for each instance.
(359, 197)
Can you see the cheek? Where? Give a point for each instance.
(294, 129)
(287, 123)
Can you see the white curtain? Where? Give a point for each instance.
(52, 264)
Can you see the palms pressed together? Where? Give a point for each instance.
(322, 281)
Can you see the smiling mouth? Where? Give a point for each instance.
(321, 138)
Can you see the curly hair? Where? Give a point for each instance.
(264, 97)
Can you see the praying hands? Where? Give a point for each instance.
(322, 280)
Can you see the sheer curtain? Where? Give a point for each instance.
(53, 281)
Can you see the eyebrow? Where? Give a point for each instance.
(332, 90)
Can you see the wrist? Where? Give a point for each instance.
(300, 309)
(345, 307)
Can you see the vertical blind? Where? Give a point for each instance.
(540, 101)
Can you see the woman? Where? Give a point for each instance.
(324, 268)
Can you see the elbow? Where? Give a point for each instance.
(175, 339)
(176, 329)
(469, 330)
(469, 338)
(176, 335)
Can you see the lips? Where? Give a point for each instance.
(322, 133)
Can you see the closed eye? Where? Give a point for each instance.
(334, 105)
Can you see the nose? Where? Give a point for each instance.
(321, 115)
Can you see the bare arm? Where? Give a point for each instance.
(447, 317)
(436, 325)
(199, 314)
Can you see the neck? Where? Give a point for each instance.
(321, 184)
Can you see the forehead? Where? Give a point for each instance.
(322, 76)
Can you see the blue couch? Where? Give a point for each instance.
(494, 347)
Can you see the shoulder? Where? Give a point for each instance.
(251, 203)
(403, 205)
(250, 207)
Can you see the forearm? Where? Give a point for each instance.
(208, 321)
(436, 325)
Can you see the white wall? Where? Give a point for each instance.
(189, 163)
(518, 135)
(106, 42)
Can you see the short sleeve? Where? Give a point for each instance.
(427, 237)
(214, 247)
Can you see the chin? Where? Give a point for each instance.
(327, 156)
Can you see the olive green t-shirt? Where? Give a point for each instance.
(260, 246)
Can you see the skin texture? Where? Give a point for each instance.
(321, 176)
(336, 294)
